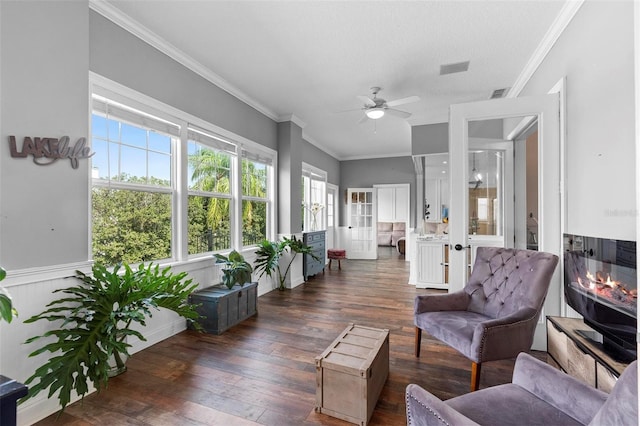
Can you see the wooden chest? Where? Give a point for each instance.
(351, 372)
(223, 308)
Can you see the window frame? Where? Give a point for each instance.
(116, 92)
(208, 142)
(311, 174)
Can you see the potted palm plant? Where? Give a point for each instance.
(92, 321)
(269, 254)
(230, 302)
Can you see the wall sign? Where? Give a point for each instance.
(46, 151)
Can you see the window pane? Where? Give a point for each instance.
(209, 170)
(132, 135)
(113, 128)
(130, 226)
(128, 159)
(254, 222)
(114, 161)
(159, 142)
(99, 126)
(133, 164)
(254, 179)
(209, 225)
(99, 161)
(159, 169)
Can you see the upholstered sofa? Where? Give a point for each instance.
(390, 232)
(538, 395)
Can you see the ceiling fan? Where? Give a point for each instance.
(375, 107)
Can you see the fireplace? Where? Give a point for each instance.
(600, 283)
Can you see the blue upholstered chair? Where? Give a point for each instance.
(538, 395)
(495, 315)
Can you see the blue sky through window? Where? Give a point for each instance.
(122, 148)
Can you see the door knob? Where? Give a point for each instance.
(458, 247)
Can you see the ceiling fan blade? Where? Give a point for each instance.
(367, 100)
(398, 113)
(402, 101)
(363, 119)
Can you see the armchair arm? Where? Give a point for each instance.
(504, 337)
(571, 396)
(424, 409)
(457, 301)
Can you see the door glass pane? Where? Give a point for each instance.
(486, 192)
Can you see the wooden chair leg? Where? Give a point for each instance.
(418, 340)
(339, 265)
(329, 263)
(475, 376)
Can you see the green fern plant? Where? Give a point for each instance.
(269, 253)
(93, 320)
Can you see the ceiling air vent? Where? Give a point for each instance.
(454, 68)
(499, 93)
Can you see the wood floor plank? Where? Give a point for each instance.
(262, 371)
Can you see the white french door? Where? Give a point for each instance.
(332, 215)
(482, 220)
(361, 207)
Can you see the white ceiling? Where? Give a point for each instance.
(311, 59)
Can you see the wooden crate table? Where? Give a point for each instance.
(351, 372)
(222, 308)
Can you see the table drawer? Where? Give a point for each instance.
(557, 344)
(580, 365)
(605, 378)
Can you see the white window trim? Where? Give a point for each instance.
(314, 173)
(110, 89)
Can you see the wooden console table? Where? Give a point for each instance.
(581, 358)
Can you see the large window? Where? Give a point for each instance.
(255, 198)
(210, 192)
(132, 185)
(166, 185)
(314, 195)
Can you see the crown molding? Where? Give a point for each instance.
(556, 29)
(321, 147)
(293, 118)
(373, 157)
(116, 16)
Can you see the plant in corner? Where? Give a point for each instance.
(270, 252)
(92, 321)
(236, 269)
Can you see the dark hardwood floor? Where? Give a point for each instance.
(263, 370)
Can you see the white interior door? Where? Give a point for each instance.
(361, 206)
(544, 109)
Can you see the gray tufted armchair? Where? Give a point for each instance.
(494, 316)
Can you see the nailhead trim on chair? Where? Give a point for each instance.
(409, 419)
(484, 335)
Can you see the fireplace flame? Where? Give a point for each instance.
(610, 283)
(600, 286)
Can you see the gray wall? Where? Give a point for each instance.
(596, 55)
(122, 57)
(44, 209)
(430, 139)
(434, 138)
(313, 155)
(377, 171)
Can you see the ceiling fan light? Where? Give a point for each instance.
(375, 113)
